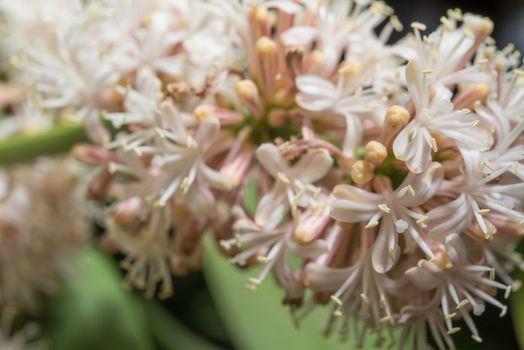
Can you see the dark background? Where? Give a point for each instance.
(508, 15)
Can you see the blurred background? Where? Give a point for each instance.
(94, 312)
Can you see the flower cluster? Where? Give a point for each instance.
(391, 171)
(34, 253)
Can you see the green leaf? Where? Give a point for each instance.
(517, 311)
(170, 333)
(257, 320)
(94, 312)
(60, 139)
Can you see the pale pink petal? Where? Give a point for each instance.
(385, 249)
(271, 159)
(216, 179)
(207, 133)
(449, 218)
(315, 93)
(273, 207)
(423, 278)
(424, 185)
(313, 166)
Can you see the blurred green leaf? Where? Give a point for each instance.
(94, 312)
(517, 311)
(170, 333)
(257, 320)
(60, 139)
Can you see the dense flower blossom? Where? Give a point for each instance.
(391, 171)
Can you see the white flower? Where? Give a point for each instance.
(183, 158)
(346, 99)
(448, 50)
(434, 116)
(459, 284)
(390, 209)
(148, 252)
(292, 188)
(271, 246)
(476, 196)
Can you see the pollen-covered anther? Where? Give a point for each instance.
(283, 177)
(450, 315)
(262, 259)
(225, 244)
(387, 319)
(492, 274)
(422, 220)
(255, 281)
(419, 26)
(372, 224)
(336, 300)
(362, 172)
(250, 287)
(365, 298)
(462, 303)
(395, 22)
(453, 330)
(443, 260)
(503, 311)
(375, 153)
(383, 207)
(507, 292)
(488, 164)
(476, 338)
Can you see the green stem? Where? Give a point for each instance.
(23, 148)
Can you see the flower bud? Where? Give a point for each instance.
(247, 92)
(396, 116)
(126, 215)
(266, 47)
(362, 172)
(375, 153)
(225, 116)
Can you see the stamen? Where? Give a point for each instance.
(387, 319)
(488, 164)
(419, 26)
(434, 145)
(476, 338)
(453, 330)
(504, 311)
(336, 300)
(262, 259)
(372, 224)
(282, 177)
(450, 316)
(462, 303)
(384, 208)
(365, 298)
(507, 292)
(422, 220)
(483, 211)
(250, 287)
